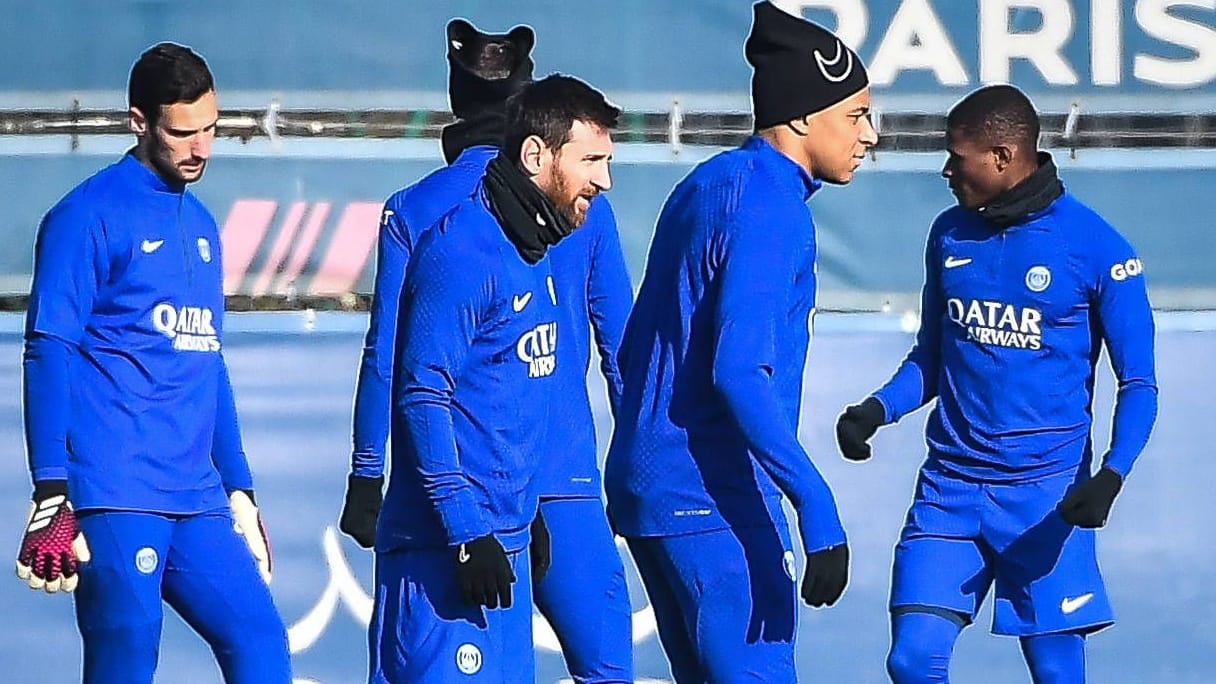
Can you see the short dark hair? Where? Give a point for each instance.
(164, 74)
(548, 109)
(997, 114)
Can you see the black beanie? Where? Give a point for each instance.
(471, 90)
(800, 67)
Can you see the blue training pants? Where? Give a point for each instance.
(197, 564)
(584, 595)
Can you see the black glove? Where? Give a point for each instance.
(1088, 504)
(484, 573)
(827, 573)
(362, 507)
(541, 551)
(857, 424)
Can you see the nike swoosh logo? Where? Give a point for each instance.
(463, 556)
(1072, 605)
(823, 64)
(150, 246)
(952, 262)
(518, 302)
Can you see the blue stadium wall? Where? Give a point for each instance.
(307, 222)
(303, 218)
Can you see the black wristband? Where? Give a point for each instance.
(45, 489)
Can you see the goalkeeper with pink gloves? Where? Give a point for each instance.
(142, 492)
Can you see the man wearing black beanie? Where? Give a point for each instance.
(810, 94)
(583, 594)
(706, 437)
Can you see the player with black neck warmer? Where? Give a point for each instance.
(706, 441)
(1024, 285)
(526, 213)
(475, 376)
(583, 594)
(486, 69)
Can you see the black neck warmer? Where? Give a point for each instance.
(527, 216)
(1034, 194)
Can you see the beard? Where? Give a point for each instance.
(566, 199)
(158, 157)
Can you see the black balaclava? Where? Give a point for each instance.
(477, 95)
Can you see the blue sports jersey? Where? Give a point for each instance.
(407, 214)
(126, 392)
(477, 349)
(1012, 325)
(593, 287)
(713, 356)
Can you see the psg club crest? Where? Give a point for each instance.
(204, 250)
(1038, 278)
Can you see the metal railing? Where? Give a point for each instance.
(901, 131)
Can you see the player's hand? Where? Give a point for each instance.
(1088, 504)
(540, 550)
(827, 574)
(52, 547)
(856, 426)
(363, 500)
(247, 521)
(483, 573)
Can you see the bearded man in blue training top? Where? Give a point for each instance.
(474, 380)
(577, 571)
(131, 426)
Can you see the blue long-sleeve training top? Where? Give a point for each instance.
(713, 357)
(1012, 325)
(126, 392)
(595, 294)
(477, 349)
(595, 287)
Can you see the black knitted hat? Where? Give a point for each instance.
(800, 67)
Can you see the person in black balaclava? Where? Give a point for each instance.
(706, 440)
(484, 69)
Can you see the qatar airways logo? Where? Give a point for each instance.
(997, 323)
(538, 349)
(189, 327)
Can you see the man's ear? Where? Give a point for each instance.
(533, 155)
(137, 122)
(1004, 154)
(801, 126)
